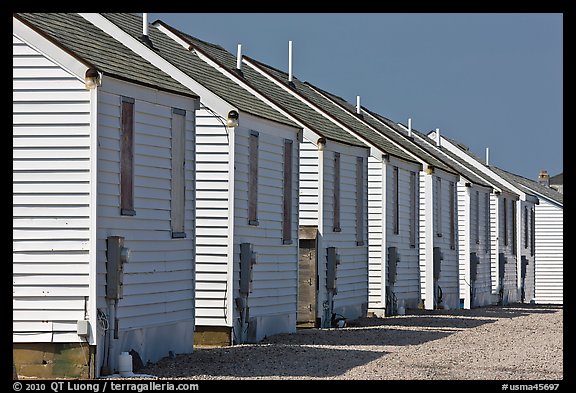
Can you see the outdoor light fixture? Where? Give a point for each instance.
(92, 78)
(232, 120)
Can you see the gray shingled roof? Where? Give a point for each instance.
(391, 134)
(463, 163)
(107, 54)
(557, 179)
(314, 120)
(191, 64)
(466, 150)
(530, 185)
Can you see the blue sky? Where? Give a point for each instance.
(485, 79)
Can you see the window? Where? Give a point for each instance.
(487, 221)
(414, 209)
(177, 190)
(505, 218)
(452, 197)
(533, 232)
(438, 207)
(336, 227)
(287, 208)
(253, 179)
(514, 225)
(359, 201)
(395, 201)
(127, 158)
(526, 245)
(477, 216)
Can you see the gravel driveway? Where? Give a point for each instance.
(514, 342)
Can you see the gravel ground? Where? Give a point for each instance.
(522, 342)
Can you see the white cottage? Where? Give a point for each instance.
(103, 205)
(247, 185)
(437, 221)
(332, 270)
(387, 159)
(541, 241)
(474, 230)
(394, 279)
(508, 209)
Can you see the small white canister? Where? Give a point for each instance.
(125, 364)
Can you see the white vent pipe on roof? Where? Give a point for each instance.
(487, 155)
(145, 24)
(358, 104)
(239, 57)
(410, 127)
(289, 61)
(438, 137)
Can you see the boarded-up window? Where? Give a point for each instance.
(533, 231)
(505, 214)
(287, 197)
(127, 158)
(487, 221)
(514, 228)
(359, 201)
(452, 204)
(477, 216)
(253, 179)
(395, 201)
(526, 228)
(413, 209)
(336, 227)
(438, 207)
(177, 181)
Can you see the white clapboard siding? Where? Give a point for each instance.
(352, 272)
(482, 286)
(159, 278)
(308, 184)
(422, 224)
(375, 247)
(464, 223)
(212, 225)
(407, 285)
(495, 218)
(275, 273)
(549, 252)
(51, 198)
(449, 277)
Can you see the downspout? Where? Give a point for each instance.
(429, 241)
(93, 244)
(384, 232)
(323, 300)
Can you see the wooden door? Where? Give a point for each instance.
(307, 283)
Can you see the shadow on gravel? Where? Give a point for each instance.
(260, 360)
(360, 336)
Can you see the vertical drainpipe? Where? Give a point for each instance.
(92, 300)
(429, 241)
(384, 256)
(231, 311)
(322, 298)
(519, 228)
(467, 249)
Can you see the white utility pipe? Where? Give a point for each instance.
(145, 24)
(289, 61)
(239, 57)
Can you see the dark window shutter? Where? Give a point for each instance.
(337, 192)
(127, 158)
(359, 201)
(253, 179)
(287, 208)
